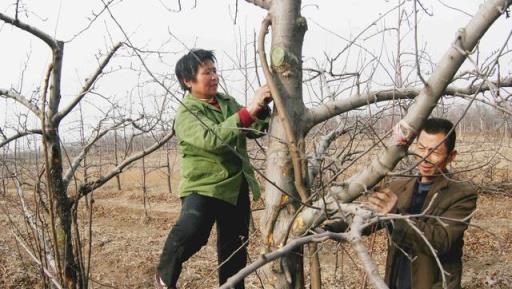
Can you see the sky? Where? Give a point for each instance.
(153, 25)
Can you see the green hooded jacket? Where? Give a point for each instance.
(206, 139)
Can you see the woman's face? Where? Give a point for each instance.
(206, 81)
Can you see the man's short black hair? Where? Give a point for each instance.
(437, 125)
(187, 66)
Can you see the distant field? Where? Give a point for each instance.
(128, 238)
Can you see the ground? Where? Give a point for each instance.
(128, 236)
(127, 241)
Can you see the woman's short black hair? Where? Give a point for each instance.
(187, 66)
(437, 125)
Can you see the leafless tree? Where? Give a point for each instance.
(285, 219)
(63, 263)
(322, 152)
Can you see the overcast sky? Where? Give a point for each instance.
(209, 25)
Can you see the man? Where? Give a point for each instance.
(215, 172)
(411, 264)
(434, 193)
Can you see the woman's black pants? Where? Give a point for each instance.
(191, 232)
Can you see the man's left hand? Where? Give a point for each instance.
(383, 201)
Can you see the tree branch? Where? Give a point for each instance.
(367, 261)
(32, 30)
(76, 161)
(89, 83)
(91, 186)
(330, 109)
(265, 4)
(32, 222)
(281, 252)
(56, 72)
(362, 219)
(19, 135)
(34, 258)
(407, 128)
(21, 100)
(323, 145)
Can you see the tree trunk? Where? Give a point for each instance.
(55, 165)
(168, 167)
(116, 159)
(288, 28)
(63, 209)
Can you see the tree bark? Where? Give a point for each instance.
(58, 188)
(288, 28)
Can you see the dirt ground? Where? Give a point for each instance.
(127, 240)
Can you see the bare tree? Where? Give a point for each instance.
(313, 149)
(63, 262)
(286, 218)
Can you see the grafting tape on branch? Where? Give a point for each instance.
(403, 134)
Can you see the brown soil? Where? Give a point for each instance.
(127, 241)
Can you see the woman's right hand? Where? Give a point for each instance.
(261, 98)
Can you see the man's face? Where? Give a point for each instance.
(432, 149)
(205, 84)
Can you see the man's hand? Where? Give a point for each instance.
(261, 98)
(383, 201)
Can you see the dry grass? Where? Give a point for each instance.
(127, 241)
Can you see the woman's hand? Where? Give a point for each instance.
(261, 98)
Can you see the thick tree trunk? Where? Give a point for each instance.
(288, 28)
(55, 165)
(64, 214)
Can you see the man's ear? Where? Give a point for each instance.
(451, 156)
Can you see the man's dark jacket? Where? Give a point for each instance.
(449, 200)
